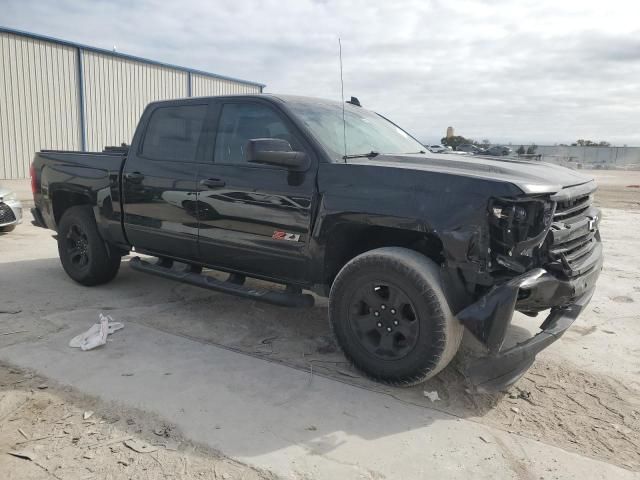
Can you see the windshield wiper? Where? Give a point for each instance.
(371, 154)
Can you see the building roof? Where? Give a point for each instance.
(123, 55)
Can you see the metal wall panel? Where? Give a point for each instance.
(39, 105)
(117, 91)
(45, 81)
(202, 86)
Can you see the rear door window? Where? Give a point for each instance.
(173, 133)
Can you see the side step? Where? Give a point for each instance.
(231, 286)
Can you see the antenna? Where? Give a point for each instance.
(344, 123)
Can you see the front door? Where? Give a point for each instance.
(254, 218)
(159, 181)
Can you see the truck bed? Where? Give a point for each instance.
(109, 160)
(63, 177)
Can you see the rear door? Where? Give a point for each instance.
(254, 218)
(159, 180)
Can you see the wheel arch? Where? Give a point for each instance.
(63, 199)
(347, 240)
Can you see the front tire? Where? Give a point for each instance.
(84, 254)
(391, 318)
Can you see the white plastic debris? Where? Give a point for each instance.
(433, 396)
(97, 334)
(140, 446)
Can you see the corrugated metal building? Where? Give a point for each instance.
(62, 95)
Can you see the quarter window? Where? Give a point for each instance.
(173, 133)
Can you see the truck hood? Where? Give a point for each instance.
(530, 177)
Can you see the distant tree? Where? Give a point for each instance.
(520, 150)
(532, 149)
(486, 142)
(455, 141)
(590, 143)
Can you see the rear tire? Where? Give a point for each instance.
(7, 229)
(84, 254)
(391, 317)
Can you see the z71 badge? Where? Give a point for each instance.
(279, 235)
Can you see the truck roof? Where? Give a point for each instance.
(272, 96)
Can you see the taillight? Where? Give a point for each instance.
(34, 183)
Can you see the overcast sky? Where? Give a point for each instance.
(510, 71)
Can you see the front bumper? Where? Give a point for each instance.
(489, 318)
(10, 213)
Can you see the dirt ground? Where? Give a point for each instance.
(618, 188)
(48, 431)
(582, 394)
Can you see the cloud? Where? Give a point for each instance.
(540, 71)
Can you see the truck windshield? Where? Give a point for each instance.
(366, 131)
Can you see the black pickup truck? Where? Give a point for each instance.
(410, 247)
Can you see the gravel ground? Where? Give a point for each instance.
(48, 431)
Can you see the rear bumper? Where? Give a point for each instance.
(38, 221)
(489, 318)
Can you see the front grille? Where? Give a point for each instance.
(573, 236)
(572, 208)
(6, 214)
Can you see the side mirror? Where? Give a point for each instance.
(274, 151)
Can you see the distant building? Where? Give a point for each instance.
(588, 157)
(450, 132)
(62, 95)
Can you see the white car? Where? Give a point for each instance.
(438, 148)
(10, 210)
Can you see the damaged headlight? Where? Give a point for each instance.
(519, 213)
(518, 228)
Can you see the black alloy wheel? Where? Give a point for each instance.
(385, 320)
(77, 245)
(391, 317)
(85, 255)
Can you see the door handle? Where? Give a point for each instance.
(134, 177)
(212, 183)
